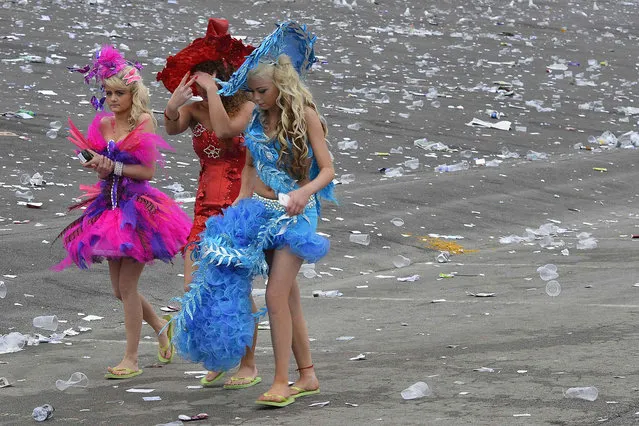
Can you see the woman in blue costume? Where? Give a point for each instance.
(270, 229)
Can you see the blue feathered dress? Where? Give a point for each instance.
(216, 323)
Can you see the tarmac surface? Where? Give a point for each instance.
(379, 64)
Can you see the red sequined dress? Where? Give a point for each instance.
(221, 163)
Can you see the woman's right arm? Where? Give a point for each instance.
(177, 116)
(248, 179)
(182, 120)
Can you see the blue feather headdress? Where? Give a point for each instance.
(291, 39)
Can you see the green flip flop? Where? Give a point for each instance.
(209, 383)
(169, 335)
(128, 373)
(253, 381)
(283, 401)
(303, 392)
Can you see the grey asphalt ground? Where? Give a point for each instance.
(537, 345)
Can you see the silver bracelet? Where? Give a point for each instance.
(117, 169)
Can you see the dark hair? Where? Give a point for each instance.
(223, 71)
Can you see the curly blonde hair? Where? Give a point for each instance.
(293, 98)
(139, 96)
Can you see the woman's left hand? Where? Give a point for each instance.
(297, 202)
(206, 81)
(102, 165)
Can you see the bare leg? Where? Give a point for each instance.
(282, 273)
(129, 276)
(248, 370)
(148, 314)
(301, 344)
(189, 268)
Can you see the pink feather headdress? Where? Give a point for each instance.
(107, 62)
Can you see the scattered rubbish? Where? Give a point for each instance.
(401, 261)
(481, 294)
(3, 290)
(42, 413)
(397, 221)
(359, 357)
(553, 289)
(47, 322)
(328, 293)
(585, 241)
(308, 270)
(412, 278)
(548, 272)
(186, 418)
(416, 391)
(535, 156)
(92, 318)
(462, 165)
(485, 370)
(344, 338)
(170, 308)
(431, 146)
(350, 404)
(500, 125)
(361, 239)
(394, 171)
(4, 382)
(436, 242)
(443, 257)
(184, 197)
(347, 144)
(151, 398)
(319, 404)
(437, 300)
(346, 179)
(21, 113)
(589, 393)
(28, 195)
(77, 379)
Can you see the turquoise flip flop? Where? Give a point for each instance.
(209, 383)
(253, 382)
(283, 401)
(303, 392)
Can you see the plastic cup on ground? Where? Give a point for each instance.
(548, 272)
(361, 239)
(417, 390)
(401, 261)
(47, 322)
(589, 393)
(77, 379)
(397, 221)
(553, 289)
(443, 257)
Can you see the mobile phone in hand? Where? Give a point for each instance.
(85, 156)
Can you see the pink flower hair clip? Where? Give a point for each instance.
(132, 76)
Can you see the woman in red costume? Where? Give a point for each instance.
(218, 143)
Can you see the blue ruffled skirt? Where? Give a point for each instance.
(216, 323)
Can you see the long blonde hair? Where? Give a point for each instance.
(292, 128)
(139, 96)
